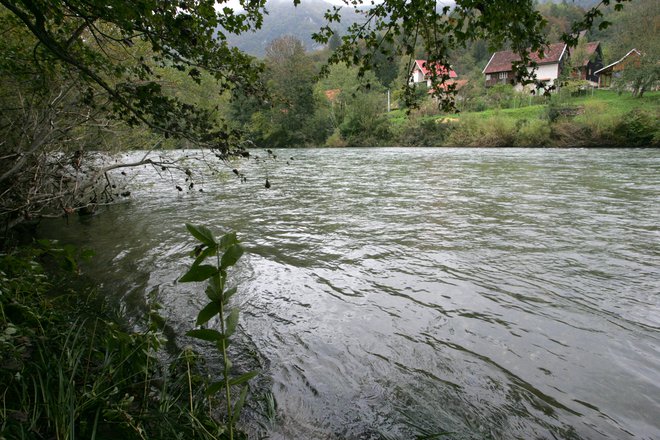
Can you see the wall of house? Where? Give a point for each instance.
(495, 78)
(588, 72)
(548, 72)
(417, 76)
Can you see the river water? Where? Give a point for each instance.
(489, 293)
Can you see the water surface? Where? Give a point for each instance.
(489, 293)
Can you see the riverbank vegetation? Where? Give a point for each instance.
(72, 368)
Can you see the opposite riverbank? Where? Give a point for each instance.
(599, 119)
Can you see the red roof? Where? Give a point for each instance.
(458, 84)
(590, 49)
(439, 69)
(501, 61)
(332, 94)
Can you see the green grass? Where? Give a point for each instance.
(608, 102)
(600, 118)
(613, 104)
(69, 369)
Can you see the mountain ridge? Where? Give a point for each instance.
(283, 18)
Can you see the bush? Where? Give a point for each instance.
(483, 132)
(638, 129)
(567, 134)
(423, 133)
(335, 140)
(501, 96)
(535, 133)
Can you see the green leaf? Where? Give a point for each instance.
(215, 387)
(87, 254)
(208, 312)
(205, 334)
(199, 273)
(207, 252)
(214, 289)
(228, 294)
(232, 321)
(239, 405)
(228, 240)
(231, 256)
(202, 234)
(239, 380)
(212, 294)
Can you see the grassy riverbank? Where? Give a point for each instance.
(72, 369)
(601, 119)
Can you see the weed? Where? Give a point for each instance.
(227, 251)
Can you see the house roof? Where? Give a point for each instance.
(332, 94)
(502, 61)
(458, 84)
(439, 69)
(617, 62)
(589, 50)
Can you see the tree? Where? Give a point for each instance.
(639, 76)
(188, 36)
(334, 42)
(290, 79)
(635, 28)
(78, 72)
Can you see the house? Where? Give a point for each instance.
(421, 72)
(591, 61)
(615, 70)
(499, 69)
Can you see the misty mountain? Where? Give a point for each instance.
(285, 19)
(581, 3)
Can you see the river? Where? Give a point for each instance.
(489, 293)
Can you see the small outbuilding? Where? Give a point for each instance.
(613, 71)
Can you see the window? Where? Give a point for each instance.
(503, 75)
(488, 77)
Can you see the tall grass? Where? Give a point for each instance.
(70, 370)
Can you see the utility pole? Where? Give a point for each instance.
(388, 101)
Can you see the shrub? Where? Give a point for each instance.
(637, 128)
(423, 133)
(472, 131)
(568, 134)
(335, 140)
(535, 133)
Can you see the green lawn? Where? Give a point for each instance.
(604, 102)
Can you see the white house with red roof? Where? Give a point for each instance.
(549, 65)
(420, 72)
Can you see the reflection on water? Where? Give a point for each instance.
(489, 293)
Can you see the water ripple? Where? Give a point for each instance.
(489, 293)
